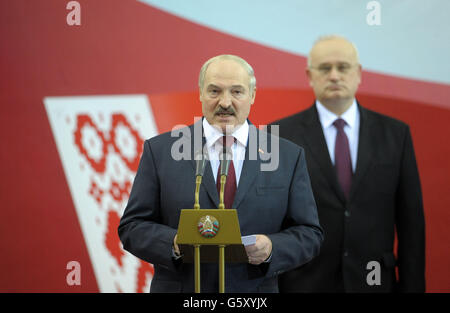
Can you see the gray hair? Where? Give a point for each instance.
(241, 61)
(331, 37)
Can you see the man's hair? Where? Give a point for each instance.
(241, 61)
(331, 37)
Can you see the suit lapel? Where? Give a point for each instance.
(365, 149)
(313, 134)
(209, 185)
(250, 168)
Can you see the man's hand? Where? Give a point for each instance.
(260, 251)
(175, 246)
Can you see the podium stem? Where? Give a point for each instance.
(221, 268)
(223, 181)
(198, 182)
(197, 267)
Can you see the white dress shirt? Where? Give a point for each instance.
(351, 129)
(214, 146)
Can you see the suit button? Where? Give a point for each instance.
(347, 213)
(345, 253)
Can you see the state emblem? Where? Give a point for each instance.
(208, 226)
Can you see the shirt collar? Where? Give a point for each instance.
(212, 134)
(327, 117)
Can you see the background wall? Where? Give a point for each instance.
(76, 103)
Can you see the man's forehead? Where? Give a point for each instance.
(225, 67)
(333, 50)
(229, 71)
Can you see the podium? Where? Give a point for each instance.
(210, 236)
(212, 230)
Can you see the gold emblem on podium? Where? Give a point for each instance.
(208, 226)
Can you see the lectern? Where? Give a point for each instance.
(213, 230)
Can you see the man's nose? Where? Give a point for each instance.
(225, 100)
(334, 74)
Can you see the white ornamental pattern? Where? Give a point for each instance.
(100, 141)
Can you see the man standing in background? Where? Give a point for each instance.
(365, 181)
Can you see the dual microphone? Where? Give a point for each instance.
(201, 158)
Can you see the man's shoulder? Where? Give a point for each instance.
(171, 136)
(383, 119)
(295, 119)
(287, 146)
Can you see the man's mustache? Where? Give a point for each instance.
(222, 110)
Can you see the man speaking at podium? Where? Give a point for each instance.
(274, 203)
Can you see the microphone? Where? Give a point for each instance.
(200, 163)
(225, 161)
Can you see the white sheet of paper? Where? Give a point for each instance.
(248, 240)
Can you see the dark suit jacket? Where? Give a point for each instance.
(277, 203)
(385, 198)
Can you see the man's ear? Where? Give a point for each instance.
(308, 74)
(253, 96)
(360, 72)
(200, 94)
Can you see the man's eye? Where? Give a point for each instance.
(343, 68)
(325, 69)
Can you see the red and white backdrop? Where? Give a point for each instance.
(77, 102)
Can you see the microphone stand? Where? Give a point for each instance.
(198, 181)
(224, 166)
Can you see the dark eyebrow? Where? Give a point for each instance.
(212, 86)
(217, 87)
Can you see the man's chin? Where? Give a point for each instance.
(336, 93)
(225, 127)
(337, 96)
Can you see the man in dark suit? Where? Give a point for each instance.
(365, 182)
(273, 201)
